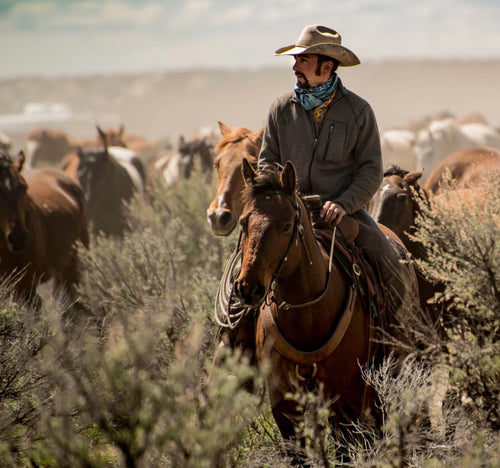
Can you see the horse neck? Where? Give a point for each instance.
(310, 273)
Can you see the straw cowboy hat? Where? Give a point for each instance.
(321, 40)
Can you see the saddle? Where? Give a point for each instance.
(359, 264)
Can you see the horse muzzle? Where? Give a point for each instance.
(250, 295)
(222, 221)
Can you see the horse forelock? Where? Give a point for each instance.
(267, 183)
(394, 169)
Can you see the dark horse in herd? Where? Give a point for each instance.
(456, 182)
(42, 219)
(313, 326)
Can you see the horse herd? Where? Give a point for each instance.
(312, 324)
(58, 191)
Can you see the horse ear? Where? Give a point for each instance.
(289, 178)
(18, 164)
(121, 131)
(103, 136)
(248, 172)
(412, 177)
(224, 129)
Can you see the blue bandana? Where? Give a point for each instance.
(310, 98)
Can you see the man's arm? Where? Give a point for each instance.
(368, 160)
(269, 155)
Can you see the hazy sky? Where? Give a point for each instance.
(73, 37)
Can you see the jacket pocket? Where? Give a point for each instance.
(334, 152)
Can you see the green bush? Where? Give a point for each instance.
(126, 377)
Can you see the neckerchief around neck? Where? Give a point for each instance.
(320, 111)
(310, 98)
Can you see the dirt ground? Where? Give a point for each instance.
(165, 105)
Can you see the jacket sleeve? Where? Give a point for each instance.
(368, 170)
(269, 155)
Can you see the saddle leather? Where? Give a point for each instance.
(369, 274)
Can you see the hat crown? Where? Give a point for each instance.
(314, 35)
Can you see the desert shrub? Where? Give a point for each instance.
(463, 254)
(23, 386)
(126, 379)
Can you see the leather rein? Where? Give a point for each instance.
(298, 231)
(280, 343)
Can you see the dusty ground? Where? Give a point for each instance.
(164, 105)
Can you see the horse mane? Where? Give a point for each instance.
(235, 136)
(394, 169)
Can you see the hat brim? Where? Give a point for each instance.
(343, 55)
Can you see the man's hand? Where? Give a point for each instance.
(332, 212)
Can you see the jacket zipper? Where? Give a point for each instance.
(317, 132)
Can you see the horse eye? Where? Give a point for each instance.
(287, 227)
(402, 197)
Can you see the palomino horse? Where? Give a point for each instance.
(42, 216)
(464, 168)
(313, 328)
(235, 145)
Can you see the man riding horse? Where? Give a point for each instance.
(330, 134)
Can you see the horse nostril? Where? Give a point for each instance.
(251, 295)
(17, 241)
(258, 293)
(225, 217)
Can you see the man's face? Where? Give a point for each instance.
(307, 72)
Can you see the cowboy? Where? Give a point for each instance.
(331, 136)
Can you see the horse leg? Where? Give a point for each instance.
(287, 417)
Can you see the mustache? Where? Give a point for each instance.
(299, 74)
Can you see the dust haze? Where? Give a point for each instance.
(166, 105)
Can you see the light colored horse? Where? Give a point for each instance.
(397, 147)
(443, 137)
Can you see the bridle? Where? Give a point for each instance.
(297, 233)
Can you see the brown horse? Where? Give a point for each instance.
(42, 216)
(463, 169)
(45, 147)
(313, 327)
(235, 145)
(396, 205)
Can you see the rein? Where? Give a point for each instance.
(298, 229)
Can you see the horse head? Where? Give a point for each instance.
(14, 200)
(270, 224)
(234, 146)
(394, 204)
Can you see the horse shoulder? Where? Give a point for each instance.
(57, 217)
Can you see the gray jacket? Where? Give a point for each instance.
(340, 160)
